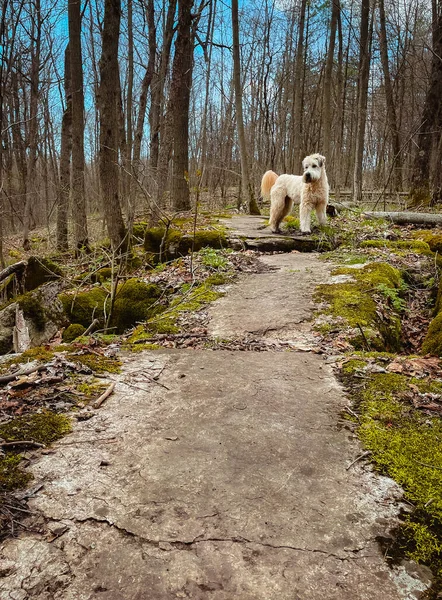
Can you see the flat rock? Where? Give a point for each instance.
(250, 232)
(233, 482)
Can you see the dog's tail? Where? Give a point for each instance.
(267, 181)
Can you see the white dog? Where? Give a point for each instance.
(309, 190)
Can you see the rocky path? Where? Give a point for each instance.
(216, 475)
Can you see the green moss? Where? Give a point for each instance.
(101, 275)
(217, 279)
(11, 476)
(405, 445)
(434, 240)
(292, 223)
(44, 428)
(433, 340)
(73, 332)
(83, 307)
(141, 347)
(32, 309)
(417, 246)
(177, 244)
(354, 302)
(90, 390)
(97, 362)
(40, 270)
(352, 366)
(135, 301)
(139, 230)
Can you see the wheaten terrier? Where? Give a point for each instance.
(309, 190)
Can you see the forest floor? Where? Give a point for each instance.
(224, 470)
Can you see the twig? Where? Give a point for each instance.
(91, 327)
(360, 457)
(99, 401)
(427, 465)
(21, 443)
(352, 413)
(363, 337)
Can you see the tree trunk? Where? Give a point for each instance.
(179, 105)
(65, 160)
(145, 85)
(389, 98)
(427, 141)
(364, 72)
(158, 82)
(78, 198)
(298, 93)
(327, 89)
(31, 187)
(109, 123)
(247, 187)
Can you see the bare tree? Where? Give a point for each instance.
(430, 131)
(364, 72)
(31, 184)
(109, 119)
(78, 198)
(247, 187)
(65, 159)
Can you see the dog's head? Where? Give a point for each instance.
(312, 167)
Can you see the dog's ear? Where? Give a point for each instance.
(321, 160)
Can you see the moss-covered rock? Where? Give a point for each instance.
(433, 340)
(135, 301)
(405, 445)
(173, 243)
(354, 302)
(32, 309)
(139, 230)
(40, 270)
(434, 240)
(83, 307)
(72, 332)
(103, 274)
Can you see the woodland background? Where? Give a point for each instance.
(144, 107)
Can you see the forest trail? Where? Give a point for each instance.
(219, 475)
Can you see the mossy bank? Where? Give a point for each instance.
(405, 444)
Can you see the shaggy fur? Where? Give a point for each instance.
(309, 190)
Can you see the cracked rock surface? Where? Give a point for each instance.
(216, 475)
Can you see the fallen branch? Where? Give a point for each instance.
(99, 401)
(15, 268)
(21, 443)
(12, 376)
(407, 218)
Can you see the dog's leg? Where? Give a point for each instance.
(277, 209)
(321, 214)
(304, 217)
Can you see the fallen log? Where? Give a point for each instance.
(407, 218)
